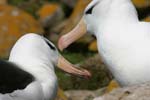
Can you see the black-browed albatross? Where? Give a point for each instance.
(29, 72)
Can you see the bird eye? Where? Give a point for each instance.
(89, 11)
(50, 45)
(91, 6)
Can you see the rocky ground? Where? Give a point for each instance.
(136, 92)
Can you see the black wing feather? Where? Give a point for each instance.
(12, 77)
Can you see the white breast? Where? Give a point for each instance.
(126, 51)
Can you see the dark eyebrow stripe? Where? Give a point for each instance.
(52, 47)
(89, 11)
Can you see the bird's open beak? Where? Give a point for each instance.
(73, 35)
(66, 66)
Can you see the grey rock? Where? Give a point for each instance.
(136, 92)
(83, 94)
(80, 95)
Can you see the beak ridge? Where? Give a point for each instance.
(73, 35)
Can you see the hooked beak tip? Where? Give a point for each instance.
(71, 69)
(87, 75)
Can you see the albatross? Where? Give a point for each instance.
(123, 40)
(29, 72)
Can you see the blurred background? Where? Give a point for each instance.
(53, 18)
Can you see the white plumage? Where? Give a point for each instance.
(123, 40)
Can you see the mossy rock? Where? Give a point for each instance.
(100, 75)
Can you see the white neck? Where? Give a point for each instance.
(42, 71)
(117, 10)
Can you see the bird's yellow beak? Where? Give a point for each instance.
(73, 35)
(66, 66)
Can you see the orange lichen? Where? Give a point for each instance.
(47, 10)
(13, 24)
(141, 3)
